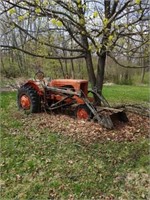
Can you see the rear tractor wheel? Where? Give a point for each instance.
(83, 112)
(28, 99)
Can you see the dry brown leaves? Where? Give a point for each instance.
(87, 131)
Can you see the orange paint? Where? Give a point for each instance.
(25, 102)
(82, 114)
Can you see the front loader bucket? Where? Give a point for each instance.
(109, 116)
(119, 116)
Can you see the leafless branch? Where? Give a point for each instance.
(6, 47)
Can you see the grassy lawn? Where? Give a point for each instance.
(124, 94)
(40, 164)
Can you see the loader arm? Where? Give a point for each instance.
(103, 120)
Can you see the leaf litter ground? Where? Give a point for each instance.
(88, 131)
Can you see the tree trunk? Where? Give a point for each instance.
(142, 75)
(90, 69)
(61, 67)
(100, 72)
(85, 43)
(89, 62)
(72, 70)
(72, 73)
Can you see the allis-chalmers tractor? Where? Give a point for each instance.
(59, 94)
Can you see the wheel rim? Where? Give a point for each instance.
(82, 114)
(25, 102)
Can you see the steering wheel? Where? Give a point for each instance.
(39, 75)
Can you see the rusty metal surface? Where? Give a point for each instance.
(60, 93)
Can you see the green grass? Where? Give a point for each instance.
(124, 94)
(39, 164)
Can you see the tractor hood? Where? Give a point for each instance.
(76, 84)
(61, 82)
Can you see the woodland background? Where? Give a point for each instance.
(51, 35)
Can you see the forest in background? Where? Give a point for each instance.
(16, 64)
(75, 39)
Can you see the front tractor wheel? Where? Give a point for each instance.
(28, 99)
(83, 112)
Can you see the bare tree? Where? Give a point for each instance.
(93, 27)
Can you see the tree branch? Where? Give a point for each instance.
(125, 66)
(41, 56)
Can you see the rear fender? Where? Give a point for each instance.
(34, 85)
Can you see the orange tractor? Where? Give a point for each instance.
(38, 94)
